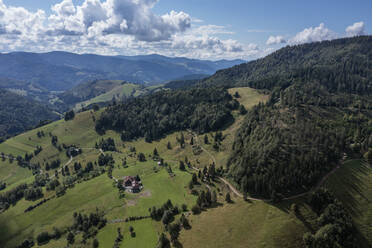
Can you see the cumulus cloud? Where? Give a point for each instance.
(314, 34)
(274, 40)
(116, 27)
(355, 29)
(131, 17)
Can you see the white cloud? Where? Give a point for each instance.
(355, 29)
(313, 34)
(116, 27)
(65, 8)
(274, 40)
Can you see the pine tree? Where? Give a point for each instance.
(163, 241)
(214, 197)
(206, 141)
(228, 198)
(70, 238)
(95, 243)
(155, 153)
(182, 166)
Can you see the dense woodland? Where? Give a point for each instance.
(311, 120)
(18, 114)
(343, 65)
(153, 116)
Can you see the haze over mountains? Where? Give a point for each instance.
(59, 71)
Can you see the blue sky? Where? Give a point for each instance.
(193, 28)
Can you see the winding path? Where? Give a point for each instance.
(236, 192)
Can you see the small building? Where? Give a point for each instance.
(132, 184)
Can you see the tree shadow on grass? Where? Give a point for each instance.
(177, 244)
(350, 186)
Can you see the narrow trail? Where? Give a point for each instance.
(236, 192)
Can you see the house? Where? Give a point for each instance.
(132, 184)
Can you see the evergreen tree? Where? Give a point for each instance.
(228, 198)
(214, 197)
(242, 110)
(141, 157)
(155, 153)
(194, 178)
(163, 241)
(95, 243)
(206, 141)
(70, 238)
(182, 166)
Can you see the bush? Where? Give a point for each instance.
(43, 238)
(196, 209)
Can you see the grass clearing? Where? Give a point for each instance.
(352, 184)
(244, 225)
(14, 175)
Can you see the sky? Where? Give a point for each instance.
(203, 29)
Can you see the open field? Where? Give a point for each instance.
(244, 224)
(13, 175)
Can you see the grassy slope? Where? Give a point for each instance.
(352, 184)
(123, 90)
(13, 175)
(244, 225)
(120, 90)
(262, 224)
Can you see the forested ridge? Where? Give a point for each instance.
(286, 147)
(342, 65)
(18, 113)
(158, 114)
(315, 114)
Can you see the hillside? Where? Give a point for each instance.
(58, 71)
(344, 63)
(120, 92)
(352, 184)
(319, 109)
(88, 90)
(18, 114)
(91, 190)
(159, 114)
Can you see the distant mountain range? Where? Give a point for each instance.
(60, 71)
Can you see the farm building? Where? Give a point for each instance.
(132, 184)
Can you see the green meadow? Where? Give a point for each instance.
(264, 225)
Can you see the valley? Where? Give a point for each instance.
(271, 153)
(159, 186)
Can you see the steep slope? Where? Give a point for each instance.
(156, 115)
(30, 90)
(346, 64)
(18, 113)
(320, 107)
(122, 92)
(88, 90)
